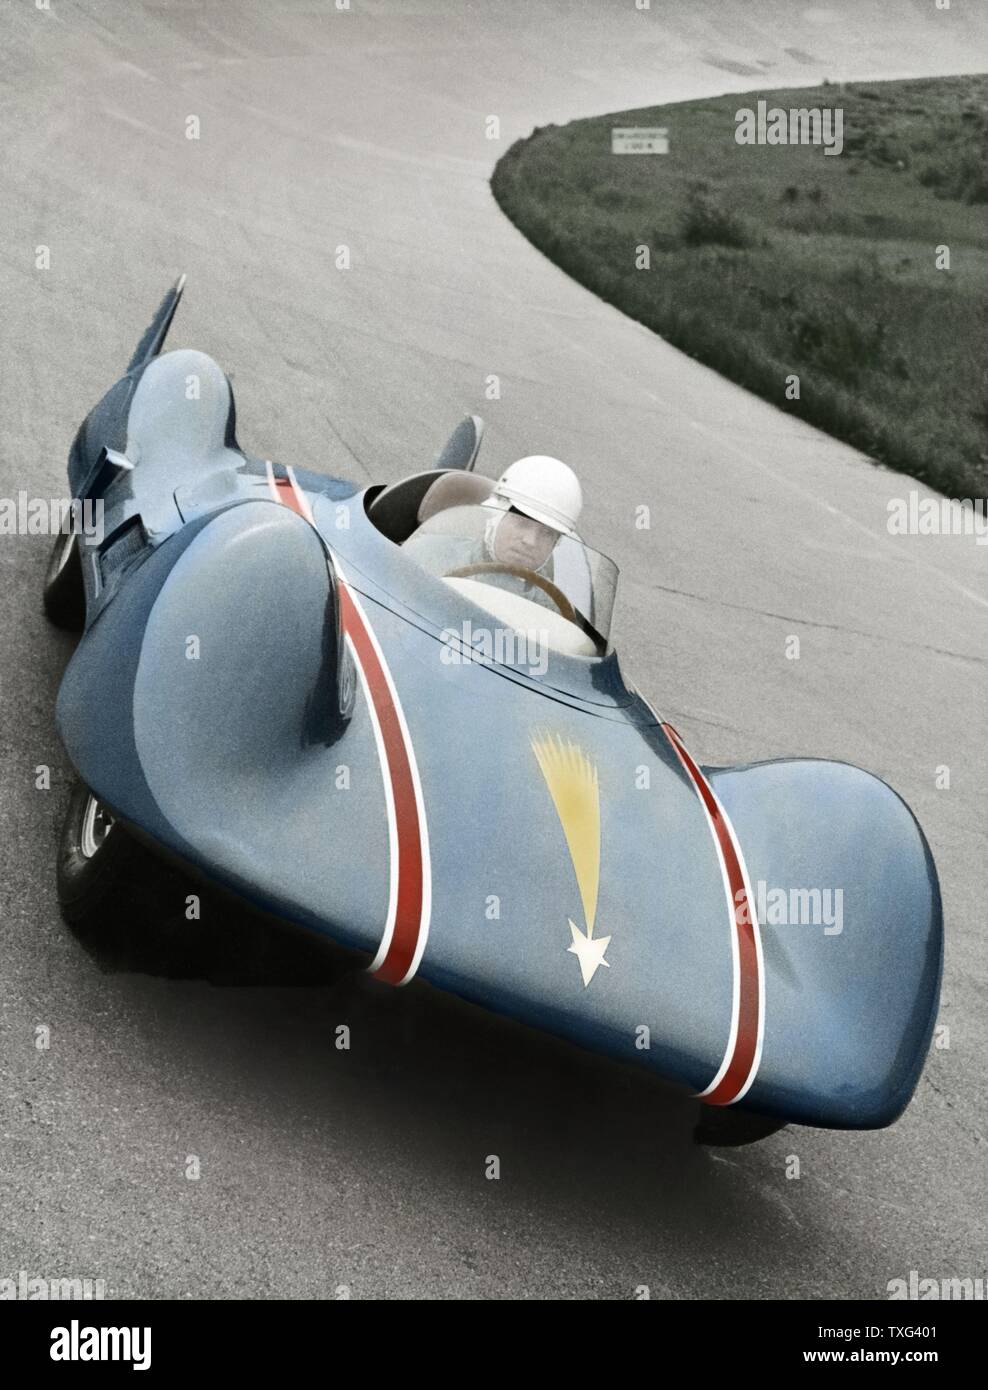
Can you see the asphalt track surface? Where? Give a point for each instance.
(322, 1169)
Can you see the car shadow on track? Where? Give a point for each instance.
(167, 924)
(171, 926)
(428, 1089)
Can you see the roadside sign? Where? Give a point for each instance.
(639, 140)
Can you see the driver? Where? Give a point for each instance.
(543, 488)
(535, 501)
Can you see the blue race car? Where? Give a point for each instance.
(342, 704)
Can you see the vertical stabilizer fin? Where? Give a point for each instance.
(157, 330)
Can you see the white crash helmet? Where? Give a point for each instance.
(545, 489)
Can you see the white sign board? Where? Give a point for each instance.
(639, 140)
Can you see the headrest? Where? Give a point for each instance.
(454, 490)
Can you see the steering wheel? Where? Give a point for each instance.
(519, 572)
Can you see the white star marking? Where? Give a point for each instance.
(589, 951)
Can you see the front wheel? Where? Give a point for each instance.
(95, 859)
(122, 900)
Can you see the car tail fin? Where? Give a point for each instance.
(461, 448)
(157, 330)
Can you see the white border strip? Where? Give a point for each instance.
(426, 911)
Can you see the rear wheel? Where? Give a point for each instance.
(64, 593)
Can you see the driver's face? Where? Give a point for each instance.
(520, 540)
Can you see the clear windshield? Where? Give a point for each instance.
(515, 567)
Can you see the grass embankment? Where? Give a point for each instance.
(768, 260)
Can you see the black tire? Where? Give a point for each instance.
(96, 863)
(124, 902)
(64, 593)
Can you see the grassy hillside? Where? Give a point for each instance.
(771, 260)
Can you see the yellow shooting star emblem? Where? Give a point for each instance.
(572, 781)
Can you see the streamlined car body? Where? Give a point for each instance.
(280, 685)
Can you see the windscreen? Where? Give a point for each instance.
(506, 551)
